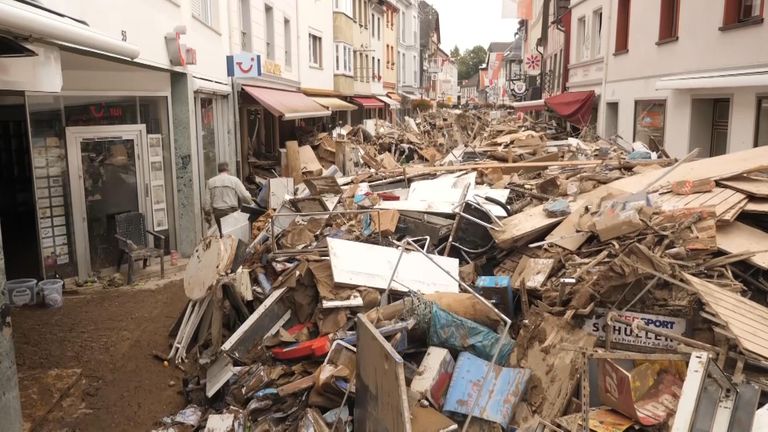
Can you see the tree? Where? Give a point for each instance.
(455, 53)
(469, 62)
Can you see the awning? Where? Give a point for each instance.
(334, 104)
(368, 102)
(287, 105)
(576, 107)
(721, 79)
(394, 96)
(410, 95)
(526, 106)
(37, 23)
(392, 104)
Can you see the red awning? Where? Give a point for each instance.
(368, 102)
(576, 107)
(287, 105)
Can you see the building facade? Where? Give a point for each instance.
(391, 59)
(315, 47)
(409, 73)
(588, 46)
(494, 84)
(685, 75)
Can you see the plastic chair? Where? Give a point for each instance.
(131, 234)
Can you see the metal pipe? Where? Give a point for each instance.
(27, 22)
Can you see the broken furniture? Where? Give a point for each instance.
(131, 235)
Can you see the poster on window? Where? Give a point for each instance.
(157, 182)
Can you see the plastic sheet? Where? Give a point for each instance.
(451, 331)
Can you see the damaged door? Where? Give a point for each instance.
(106, 169)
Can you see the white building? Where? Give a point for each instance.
(315, 45)
(377, 48)
(449, 82)
(408, 49)
(687, 76)
(586, 65)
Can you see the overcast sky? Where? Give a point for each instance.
(467, 23)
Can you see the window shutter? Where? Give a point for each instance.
(197, 8)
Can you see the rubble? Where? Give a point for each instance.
(467, 270)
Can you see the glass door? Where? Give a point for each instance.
(106, 166)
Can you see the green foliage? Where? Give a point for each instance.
(469, 62)
(441, 104)
(421, 105)
(455, 53)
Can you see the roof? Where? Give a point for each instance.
(498, 46)
(287, 105)
(514, 51)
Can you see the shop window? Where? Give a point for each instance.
(761, 132)
(649, 123)
(622, 26)
(668, 20)
(100, 110)
(153, 113)
(742, 12)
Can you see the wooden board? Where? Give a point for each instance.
(361, 264)
(202, 269)
(757, 205)
(751, 186)
(381, 398)
(738, 237)
(293, 157)
(727, 203)
(523, 226)
(714, 168)
(745, 319)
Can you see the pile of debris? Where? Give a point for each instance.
(471, 271)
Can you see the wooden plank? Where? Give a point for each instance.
(738, 237)
(294, 161)
(757, 205)
(744, 317)
(748, 185)
(715, 168)
(202, 269)
(523, 225)
(732, 213)
(381, 399)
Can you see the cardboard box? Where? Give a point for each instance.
(385, 221)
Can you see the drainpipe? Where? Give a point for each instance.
(603, 102)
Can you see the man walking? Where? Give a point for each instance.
(221, 197)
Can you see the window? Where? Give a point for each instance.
(245, 25)
(649, 122)
(761, 131)
(742, 11)
(668, 20)
(415, 71)
(343, 64)
(316, 51)
(205, 11)
(415, 26)
(402, 26)
(378, 69)
(402, 67)
(270, 29)
(373, 26)
(343, 6)
(378, 28)
(622, 26)
(581, 39)
(597, 33)
(287, 41)
(367, 70)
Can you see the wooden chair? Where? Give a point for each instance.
(131, 234)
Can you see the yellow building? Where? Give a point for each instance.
(391, 13)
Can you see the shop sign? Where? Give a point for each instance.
(273, 68)
(243, 65)
(519, 88)
(178, 53)
(624, 334)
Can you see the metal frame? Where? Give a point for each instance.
(507, 322)
(74, 137)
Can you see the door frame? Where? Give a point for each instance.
(221, 125)
(74, 136)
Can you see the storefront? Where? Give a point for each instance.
(392, 108)
(99, 147)
(370, 109)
